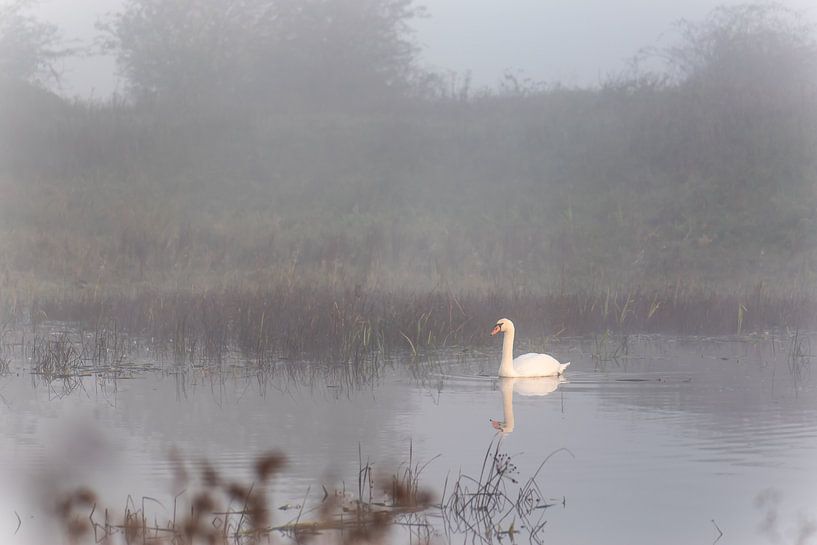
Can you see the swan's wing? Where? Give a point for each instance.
(538, 365)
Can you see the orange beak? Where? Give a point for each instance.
(495, 330)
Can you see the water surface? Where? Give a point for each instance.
(673, 442)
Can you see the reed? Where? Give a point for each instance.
(494, 504)
(218, 510)
(356, 325)
(56, 357)
(799, 356)
(213, 508)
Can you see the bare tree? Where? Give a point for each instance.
(29, 48)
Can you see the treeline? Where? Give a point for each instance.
(270, 141)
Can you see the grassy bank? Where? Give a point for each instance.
(669, 200)
(617, 188)
(346, 235)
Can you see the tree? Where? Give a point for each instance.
(332, 52)
(28, 48)
(764, 51)
(744, 82)
(742, 101)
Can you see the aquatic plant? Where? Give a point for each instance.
(485, 508)
(215, 509)
(356, 325)
(219, 510)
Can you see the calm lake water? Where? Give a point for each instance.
(673, 443)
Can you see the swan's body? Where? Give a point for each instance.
(537, 386)
(526, 365)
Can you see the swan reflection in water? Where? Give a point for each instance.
(539, 386)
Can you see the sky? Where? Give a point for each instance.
(573, 42)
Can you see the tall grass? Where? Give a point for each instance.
(494, 504)
(355, 324)
(215, 508)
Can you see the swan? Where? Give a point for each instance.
(536, 386)
(526, 365)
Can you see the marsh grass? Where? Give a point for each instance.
(215, 509)
(62, 351)
(609, 347)
(799, 356)
(62, 357)
(494, 504)
(56, 357)
(301, 322)
(6, 346)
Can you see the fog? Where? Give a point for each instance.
(264, 203)
(396, 144)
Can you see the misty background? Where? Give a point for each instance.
(393, 144)
(574, 43)
(272, 212)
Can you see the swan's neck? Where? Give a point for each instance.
(506, 367)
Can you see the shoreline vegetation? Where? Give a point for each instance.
(356, 325)
(404, 209)
(212, 508)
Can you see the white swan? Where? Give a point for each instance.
(526, 365)
(537, 386)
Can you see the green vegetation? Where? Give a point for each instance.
(698, 176)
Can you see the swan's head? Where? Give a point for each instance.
(502, 326)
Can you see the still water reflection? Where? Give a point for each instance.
(680, 439)
(539, 386)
